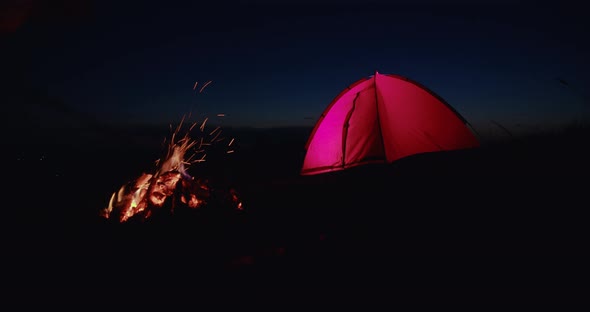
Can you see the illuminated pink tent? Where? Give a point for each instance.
(381, 119)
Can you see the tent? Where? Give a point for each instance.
(380, 119)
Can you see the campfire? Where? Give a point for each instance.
(170, 187)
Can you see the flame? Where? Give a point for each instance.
(150, 192)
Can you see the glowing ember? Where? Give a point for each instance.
(161, 190)
(203, 87)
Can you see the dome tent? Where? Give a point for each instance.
(380, 119)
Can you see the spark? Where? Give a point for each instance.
(195, 87)
(202, 158)
(221, 115)
(230, 142)
(214, 130)
(230, 151)
(188, 161)
(203, 87)
(191, 128)
(203, 124)
(218, 133)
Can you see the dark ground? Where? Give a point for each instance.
(509, 214)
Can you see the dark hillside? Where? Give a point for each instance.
(497, 215)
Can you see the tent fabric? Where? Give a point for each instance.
(381, 119)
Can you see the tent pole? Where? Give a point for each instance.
(378, 119)
(345, 129)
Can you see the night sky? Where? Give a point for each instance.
(275, 63)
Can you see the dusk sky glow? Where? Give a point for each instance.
(282, 64)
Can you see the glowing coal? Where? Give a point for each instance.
(170, 186)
